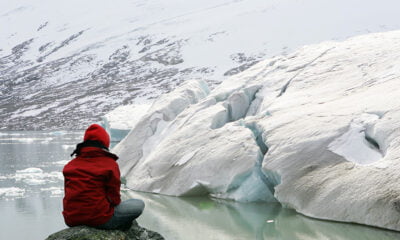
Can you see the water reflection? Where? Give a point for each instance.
(33, 217)
(203, 218)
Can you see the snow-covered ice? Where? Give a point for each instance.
(12, 192)
(316, 130)
(66, 147)
(54, 191)
(36, 176)
(30, 171)
(122, 119)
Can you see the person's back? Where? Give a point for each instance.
(92, 186)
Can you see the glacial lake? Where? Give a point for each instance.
(31, 191)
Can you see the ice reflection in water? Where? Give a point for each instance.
(203, 218)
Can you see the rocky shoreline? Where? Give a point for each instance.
(136, 232)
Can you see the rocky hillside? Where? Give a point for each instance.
(65, 64)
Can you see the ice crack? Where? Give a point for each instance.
(238, 105)
(253, 185)
(299, 70)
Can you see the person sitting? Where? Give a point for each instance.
(92, 186)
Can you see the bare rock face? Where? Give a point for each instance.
(87, 233)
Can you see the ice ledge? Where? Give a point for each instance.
(356, 145)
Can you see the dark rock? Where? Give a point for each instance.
(135, 232)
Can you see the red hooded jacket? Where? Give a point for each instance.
(92, 182)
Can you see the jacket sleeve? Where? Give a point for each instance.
(113, 186)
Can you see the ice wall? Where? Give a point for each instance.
(316, 130)
(143, 136)
(201, 149)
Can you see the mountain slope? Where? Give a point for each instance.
(65, 64)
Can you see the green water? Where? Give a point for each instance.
(203, 218)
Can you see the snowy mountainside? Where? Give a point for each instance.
(64, 64)
(316, 130)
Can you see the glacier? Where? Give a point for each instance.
(316, 130)
(122, 119)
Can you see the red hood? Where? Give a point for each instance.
(96, 132)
